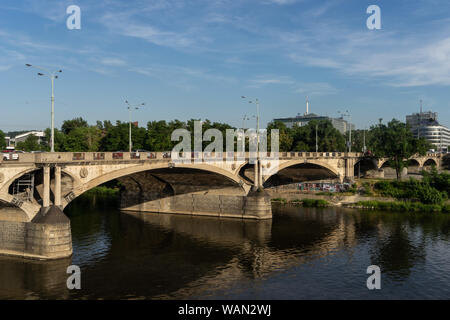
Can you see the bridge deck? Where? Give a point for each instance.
(68, 157)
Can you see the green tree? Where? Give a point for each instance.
(59, 140)
(117, 137)
(69, 125)
(328, 137)
(285, 136)
(81, 139)
(2, 140)
(395, 141)
(358, 137)
(31, 143)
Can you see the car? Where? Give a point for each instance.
(10, 156)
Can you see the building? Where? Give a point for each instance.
(22, 137)
(426, 125)
(301, 120)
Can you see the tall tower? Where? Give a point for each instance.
(307, 106)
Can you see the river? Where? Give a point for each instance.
(302, 253)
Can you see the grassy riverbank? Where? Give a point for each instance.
(402, 206)
(431, 194)
(310, 203)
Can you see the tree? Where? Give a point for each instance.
(69, 125)
(59, 140)
(396, 142)
(358, 137)
(82, 139)
(328, 137)
(2, 140)
(285, 136)
(31, 143)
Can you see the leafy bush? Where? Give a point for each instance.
(403, 206)
(429, 195)
(318, 203)
(282, 200)
(440, 181)
(422, 191)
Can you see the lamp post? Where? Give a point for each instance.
(243, 121)
(258, 177)
(52, 76)
(130, 107)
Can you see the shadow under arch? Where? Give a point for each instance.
(228, 179)
(299, 171)
(429, 163)
(364, 165)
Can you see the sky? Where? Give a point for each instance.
(194, 59)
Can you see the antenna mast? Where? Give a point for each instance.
(307, 106)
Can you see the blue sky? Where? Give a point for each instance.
(194, 59)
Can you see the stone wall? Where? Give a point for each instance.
(36, 240)
(12, 236)
(208, 205)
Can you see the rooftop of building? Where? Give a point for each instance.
(36, 133)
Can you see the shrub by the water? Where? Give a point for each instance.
(403, 206)
(319, 203)
(282, 200)
(432, 190)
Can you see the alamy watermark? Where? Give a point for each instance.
(374, 21)
(74, 20)
(234, 148)
(374, 281)
(74, 280)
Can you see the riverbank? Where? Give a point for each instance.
(355, 201)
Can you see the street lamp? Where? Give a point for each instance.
(52, 76)
(243, 121)
(347, 114)
(130, 107)
(258, 178)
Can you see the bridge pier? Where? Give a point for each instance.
(349, 169)
(46, 185)
(48, 236)
(57, 186)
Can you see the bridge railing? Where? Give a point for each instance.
(66, 157)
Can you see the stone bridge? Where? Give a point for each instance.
(209, 184)
(149, 178)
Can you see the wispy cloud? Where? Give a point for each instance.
(115, 62)
(391, 57)
(303, 87)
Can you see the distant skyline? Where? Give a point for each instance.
(195, 59)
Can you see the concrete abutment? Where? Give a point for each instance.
(48, 236)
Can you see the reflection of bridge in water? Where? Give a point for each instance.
(218, 253)
(217, 186)
(260, 250)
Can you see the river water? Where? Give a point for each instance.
(303, 253)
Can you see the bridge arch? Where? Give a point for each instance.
(28, 208)
(84, 186)
(364, 165)
(429, 162)
(16, 176)
(333, 171)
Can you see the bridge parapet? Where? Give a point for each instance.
(75, 157)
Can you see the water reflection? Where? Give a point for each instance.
(33, 279)
(300, 254)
